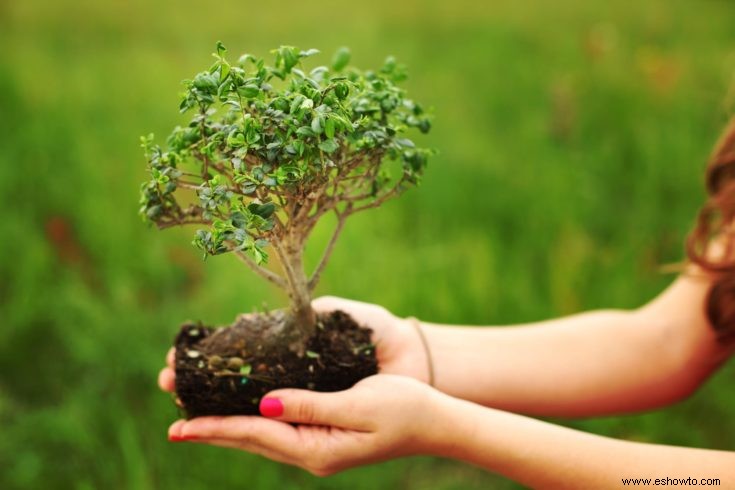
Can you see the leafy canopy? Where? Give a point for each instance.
(271, 149)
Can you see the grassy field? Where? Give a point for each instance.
(572, 137)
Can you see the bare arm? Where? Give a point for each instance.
(594, 363)
(543, 455)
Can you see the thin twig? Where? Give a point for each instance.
(262, 271)
(327, 251)
(380, 200)
(189, 174)
(170, 224)
(189, 185)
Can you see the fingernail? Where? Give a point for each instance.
(181, 438)
(271, 407)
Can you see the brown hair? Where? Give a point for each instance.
(716, 222)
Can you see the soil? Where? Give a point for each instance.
(227, 370)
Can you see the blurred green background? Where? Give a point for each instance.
(572, 139)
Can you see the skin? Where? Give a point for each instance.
(595, 363)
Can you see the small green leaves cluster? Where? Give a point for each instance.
(270, 148)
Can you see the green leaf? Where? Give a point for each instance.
(244, 58)
(328, 145)
(340, 59)
(187, 102)
(239, 220)
(205, 82)
(289, 57)
(246, 369)
(221, 50)
(235, 139)
(224, 71)
(329, 128)
(305, 131)
(312, 355)
(342, 90)
(424, 125)
(316, 125)
(259, 255)
(296, 103)
(249, 91)
(265, 211)
(253, 136)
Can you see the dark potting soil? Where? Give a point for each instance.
(226, 371)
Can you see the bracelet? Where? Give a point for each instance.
(429, 361)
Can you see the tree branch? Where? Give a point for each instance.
(290, 279)
(188, 185)
(341, 218)
(262, 271)
(380, 200)
(170, 224)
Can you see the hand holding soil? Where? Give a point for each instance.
(381, 417)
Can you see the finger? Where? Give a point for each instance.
(167, 379)
(338, 409)
(171, 357)
(331, 303)
(248, 447)
(174, 432)
(269, 434)
(325, 304)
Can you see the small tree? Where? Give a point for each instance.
(270, 150)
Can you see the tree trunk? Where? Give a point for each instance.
(302, 323)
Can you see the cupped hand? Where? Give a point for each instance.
(381, 417)
(398, 345)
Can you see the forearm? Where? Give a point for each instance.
(542, 455)
(573, 366)
(589, 364)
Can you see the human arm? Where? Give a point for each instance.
(385, 417)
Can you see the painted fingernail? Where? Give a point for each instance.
(181, 438)
(271, 407)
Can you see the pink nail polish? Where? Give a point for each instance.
(271, 407)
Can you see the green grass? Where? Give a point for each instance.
(572, 138)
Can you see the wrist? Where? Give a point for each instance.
(416, 351)
(442, 426)
(424, 349)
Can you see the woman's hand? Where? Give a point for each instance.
(397, 344)
(381, 417)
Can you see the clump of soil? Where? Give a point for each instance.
(227, 370)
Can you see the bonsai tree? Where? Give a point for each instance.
(268, 152)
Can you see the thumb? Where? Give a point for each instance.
(337, 409)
